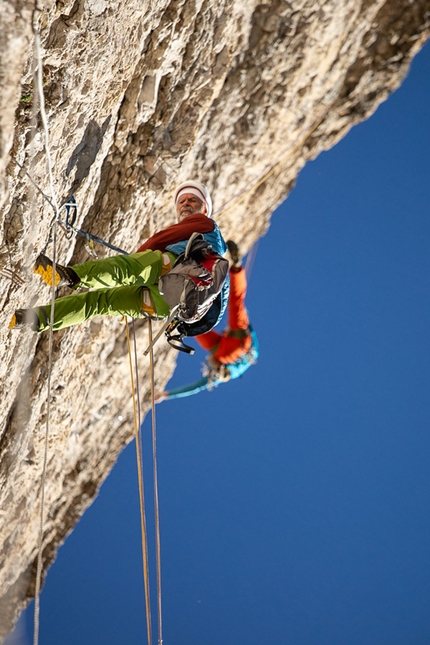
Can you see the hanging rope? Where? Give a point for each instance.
(45, 458)
(44, 195)
(39, 567)
(139, 459)
(156, 506)
(44, 117)
(139, 453)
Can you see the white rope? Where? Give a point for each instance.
(39, 567)
(43, 116)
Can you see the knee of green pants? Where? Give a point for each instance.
(136, 269)
(118, 301)
(128, 301)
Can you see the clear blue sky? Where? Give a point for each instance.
(295, 501)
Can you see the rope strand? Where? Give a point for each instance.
(139, 459)
(156, 505)
(44, 117)
(39, 567)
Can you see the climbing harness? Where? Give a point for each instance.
(175, 333)
(195, 280)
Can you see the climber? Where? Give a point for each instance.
(126, 285)
(232, 352)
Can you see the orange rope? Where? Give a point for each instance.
(156, 505)
(139, 459)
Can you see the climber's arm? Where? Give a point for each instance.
(178, 232)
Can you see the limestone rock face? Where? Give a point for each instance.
(140, 96)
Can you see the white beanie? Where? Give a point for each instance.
(197, 189)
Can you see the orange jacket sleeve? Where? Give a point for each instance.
(178, 232)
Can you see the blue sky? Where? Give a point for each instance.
(294, 501)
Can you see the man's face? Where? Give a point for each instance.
(189, 204)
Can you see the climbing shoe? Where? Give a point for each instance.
(64, 276)
(234, 253)
(24, 318)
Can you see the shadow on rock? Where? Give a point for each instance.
(83, 156)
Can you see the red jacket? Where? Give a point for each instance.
(177, 232)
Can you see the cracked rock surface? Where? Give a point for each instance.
(140, 96)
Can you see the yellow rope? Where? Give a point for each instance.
(139, 459)
(156, 506)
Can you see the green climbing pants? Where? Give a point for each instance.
(137, 273)
(135, 270)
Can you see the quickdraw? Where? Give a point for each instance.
(69, 225)
(69, 228)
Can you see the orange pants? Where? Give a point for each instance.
(225, 347)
